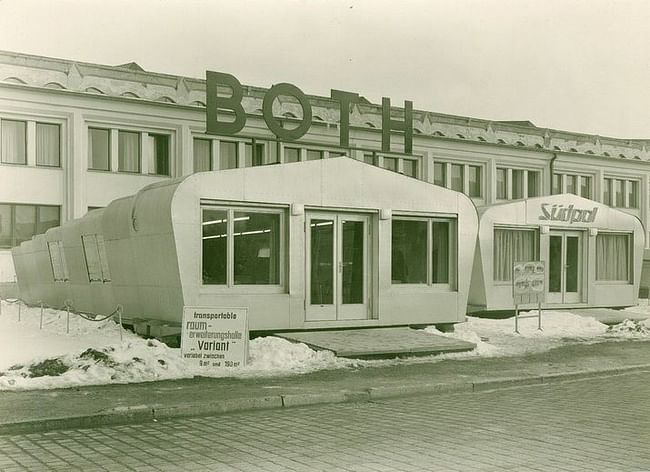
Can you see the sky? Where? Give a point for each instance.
(575, 65)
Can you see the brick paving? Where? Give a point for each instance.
(598, 424)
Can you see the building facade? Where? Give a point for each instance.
(76, 136)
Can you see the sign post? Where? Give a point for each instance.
(214, 338)
(528, 286)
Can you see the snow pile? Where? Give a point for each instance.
(94, 353)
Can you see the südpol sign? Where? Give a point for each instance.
(233, 104)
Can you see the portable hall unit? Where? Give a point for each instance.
(314, 244)
(592, 252)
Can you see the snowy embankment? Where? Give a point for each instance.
(95, 353)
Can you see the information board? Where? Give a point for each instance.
(214, 338)
(528, 282)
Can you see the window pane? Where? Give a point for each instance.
(439, 173)
(93, 264)
(557, 184)
(99, 149)
(48, 217)
(369, 158)
(408, 253)
(571, 184)
(48, 146)
(612, 257)
(215, 246)
(456, 177)
(390, 163)
(517, 183)
(502, 184)
(512, 246)
(291, 154)
(633, 194)
(585, 186)
(352, 259)
(257, 248)
(410, 167)
(160, 154)
(6, 227)
(25, 223)
(474, 181)
(254, 154)
(14, 139)
(202, 155)
(314, 155)
(227, 155)
(321, 261)
(607, 192)
(533, 183)
(440, 252)
(128, 151)
(618, 193)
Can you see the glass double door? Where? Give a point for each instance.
(337, 266)
(565, 267)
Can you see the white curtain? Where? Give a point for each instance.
(129, 152)
(13, 142)
(47, 145)
(512, 246)
(612, 257)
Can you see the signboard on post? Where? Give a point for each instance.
(528, 286)
(214, 338)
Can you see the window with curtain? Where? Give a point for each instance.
(14, 141)
(474, 181)
(160, 164)
(48, 145)
(228, 156)
(571, 184)
(128, 151)
(440, 173)
(456, 177)
(613, 257)
(585, 186)
(533, 183)
(202, 155)
(556, 184)
(502, 184)
(512, 246)
(607, 192)
(99, 149)
(517, 183)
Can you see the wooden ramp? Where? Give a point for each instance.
(367, 343)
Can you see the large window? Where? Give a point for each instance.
(202, 155)
(621, 193)
(572, 183)
(512, 246)
(58, 262)
(241, 246)
(96, 260)
(160, 157)
(464, 178)
(513, 184)
(14, 141)
(19, 223)
(423, 251)
(613, 257)
(48, 145)
(99, 149)
(128, 151)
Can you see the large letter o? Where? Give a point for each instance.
(273, 124)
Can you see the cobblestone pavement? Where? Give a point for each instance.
(590, 425)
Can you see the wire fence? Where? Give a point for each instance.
(68, 307)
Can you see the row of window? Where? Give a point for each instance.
(246, 247)
(19, 223)
(129, 151)
(15, 143)
(613, 254)
(94, 256)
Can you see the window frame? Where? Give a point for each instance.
(283, 256)
(536, 246)
(37, 220)
(452, 275)
(25, 142)
(630, 259)
(59, 147)
(110, 151)
(119, 151)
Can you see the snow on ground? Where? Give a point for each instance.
(95, 353)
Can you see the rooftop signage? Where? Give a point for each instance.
(232, 103)
(569, 214)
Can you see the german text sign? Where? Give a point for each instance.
(528, 282)
(214, 338)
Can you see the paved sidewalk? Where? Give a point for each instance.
(114, 404)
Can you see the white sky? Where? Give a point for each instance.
(577, 65)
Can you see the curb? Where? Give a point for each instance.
(147, 413)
